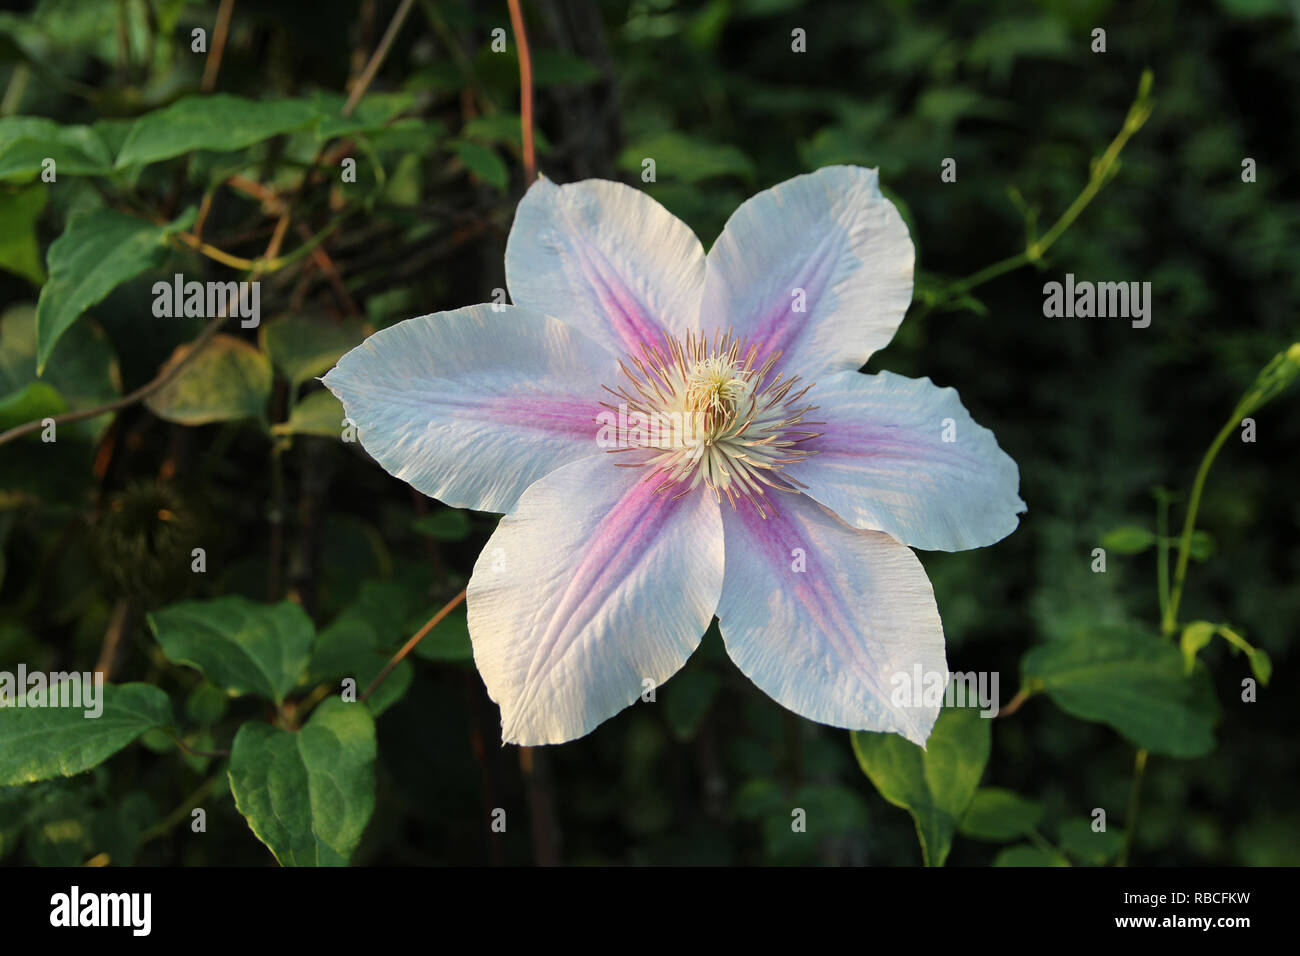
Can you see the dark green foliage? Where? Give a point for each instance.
(98, 528)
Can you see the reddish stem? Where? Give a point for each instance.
(525, 90)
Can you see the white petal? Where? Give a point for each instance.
(838, 640)
(828, 241)
(883, 463)
(473, 406)
(592, 586)
(607, 259)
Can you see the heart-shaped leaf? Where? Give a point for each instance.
(935, 785)
(308, 795)
(238, 644)
(1133, 682)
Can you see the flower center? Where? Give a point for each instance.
(706, 412)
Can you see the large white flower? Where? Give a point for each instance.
(672, 436)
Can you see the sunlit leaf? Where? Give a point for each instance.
(240, 645)
(217, 122)
(935, 785)
(37, 743)
(26, 142)
(320, 413)
(96, 253)
(303, 346)
(1133, 682)
(19, 251)
(309, 794)
(1128, 540)
(229, 379)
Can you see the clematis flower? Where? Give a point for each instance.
(673, 436)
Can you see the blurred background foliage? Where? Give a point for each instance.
(97, 528)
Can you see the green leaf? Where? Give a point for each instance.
(502, 128)
(19, 251)
(386, 607)
(556, 68)
(218, 122)
(96, 253)
(445, 524)
(1090, 846)
(1027, 855)
(448, 641)
(36, 400)
(27, 141)
(228, 380)
(320, 413)
(350, 648)
(374, 111)
(240, 645)
(483, 163)
(81, 373)
(686, 159)
(116, 830)
(1196, 636)
(1201, 545)
(1261, 665)
(207, 703)
(1128, 540)
(37, 743)
(1133, 682)
(304, 346)
(1000, 815)
(935, 785)
(687, 699)
(308, 795)
(406, 136)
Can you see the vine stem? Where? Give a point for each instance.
(195, 752)
(255, 267)
(213, 65)
(525, 91)
(1162, 554)
(412, 643)
(1169, 623)
(183, 810)
(377, 58)
(1134, 805)
(1015, 703)
(1102, 171)
(141, 393)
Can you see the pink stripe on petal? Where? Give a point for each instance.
(902, 456)
(823, 617)
(591, 587)
(475, 405)
(828, 242)
(811, 592)
(554, 415)
(608, 260)
(621, 542)
(776, 327)
(631, 319)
